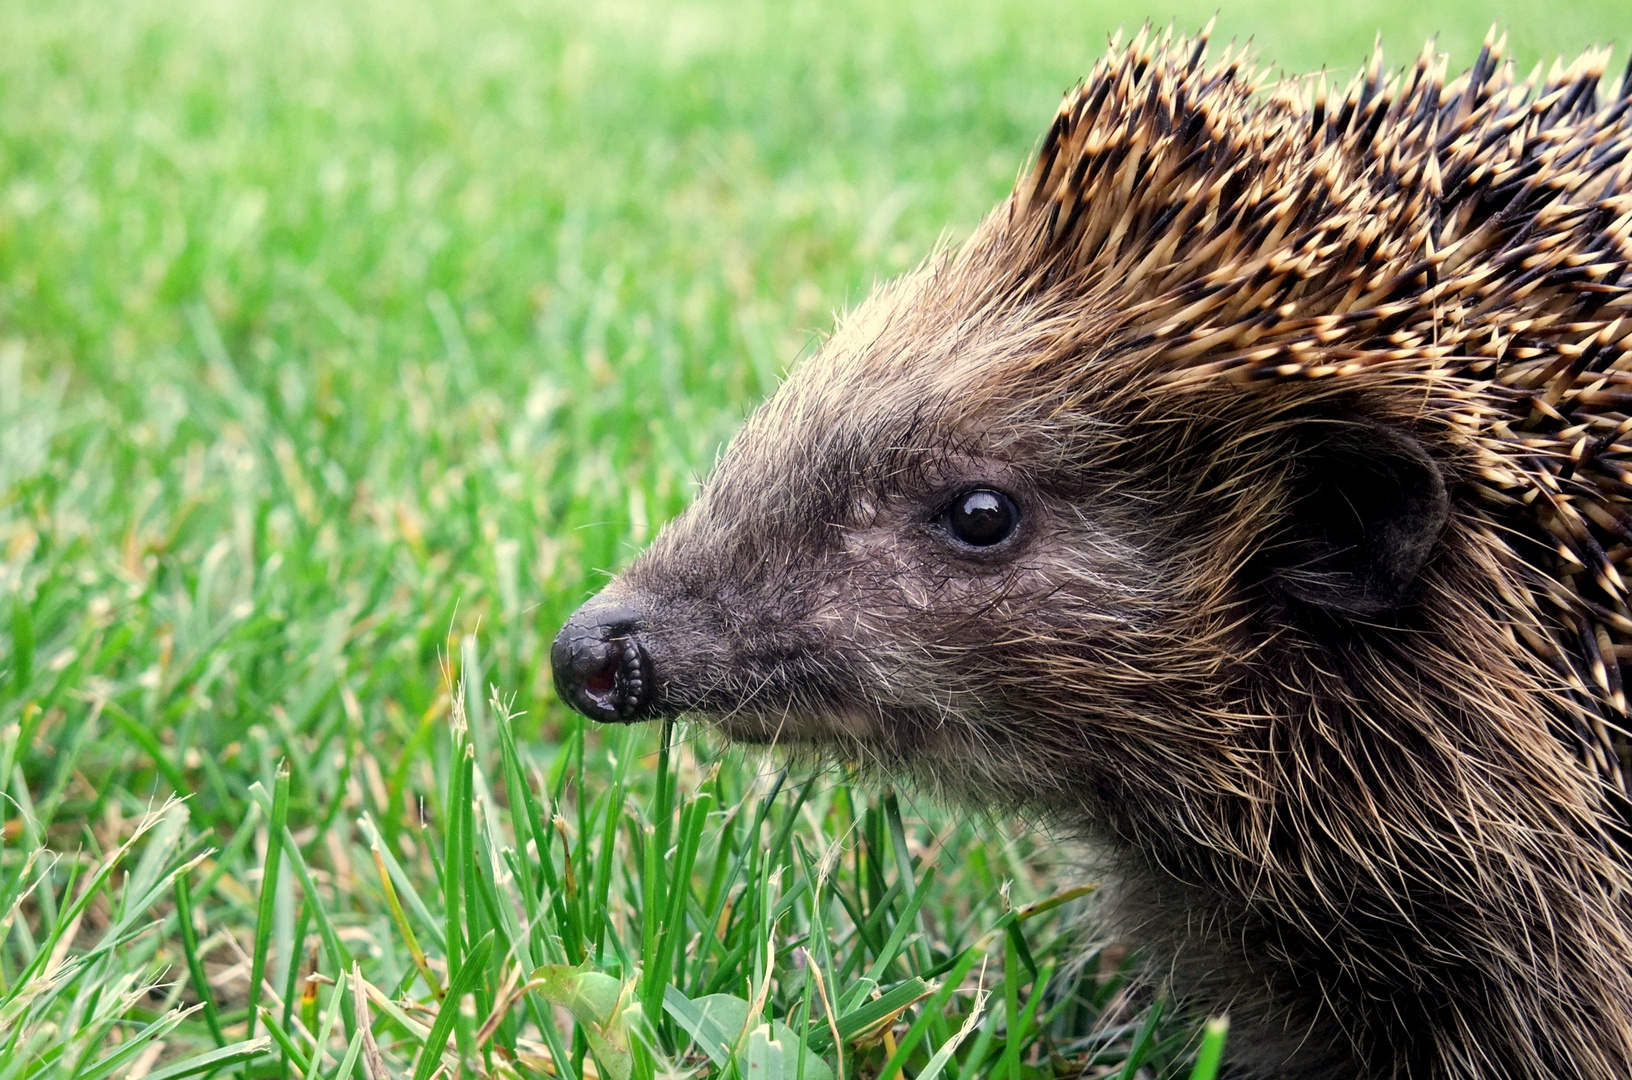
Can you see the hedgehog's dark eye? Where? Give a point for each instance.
(981, 518)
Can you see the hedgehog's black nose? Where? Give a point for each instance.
(600, 669)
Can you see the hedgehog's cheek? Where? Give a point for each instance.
(1368, 505)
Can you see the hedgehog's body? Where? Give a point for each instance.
(1313, 419)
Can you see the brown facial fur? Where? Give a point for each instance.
(1374, 806)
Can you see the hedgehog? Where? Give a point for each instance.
(1245, 497)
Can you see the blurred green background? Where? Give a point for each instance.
(346, 345)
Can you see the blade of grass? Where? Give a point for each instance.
(935, 1006)
(296, 946)
(943, 1054)
(892, 946)
(336, 952)
(1211, 1052)
(1011, 1008)
(403, 881)
(285, 1043)
(195, 966)
(416, 953)
(1142, 1043)
(349, 1062)
(462, 983)
(237, 1053)
(269, 882)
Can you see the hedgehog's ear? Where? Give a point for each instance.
(1367, 505)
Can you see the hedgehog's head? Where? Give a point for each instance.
(1161, 440)
(961, 534)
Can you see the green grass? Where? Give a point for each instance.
(343, 350)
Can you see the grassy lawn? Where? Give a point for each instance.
(344, 349)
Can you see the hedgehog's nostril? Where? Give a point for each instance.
(600, 669)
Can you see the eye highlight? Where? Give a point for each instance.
(980, 517)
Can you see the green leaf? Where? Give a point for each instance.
(704, 1025)
(720, 1024)
(603, 1007)
(762, 1058)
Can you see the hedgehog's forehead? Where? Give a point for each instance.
(911, 359)
(908, 392)
(951, 331)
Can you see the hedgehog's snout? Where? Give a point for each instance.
(601, 668)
